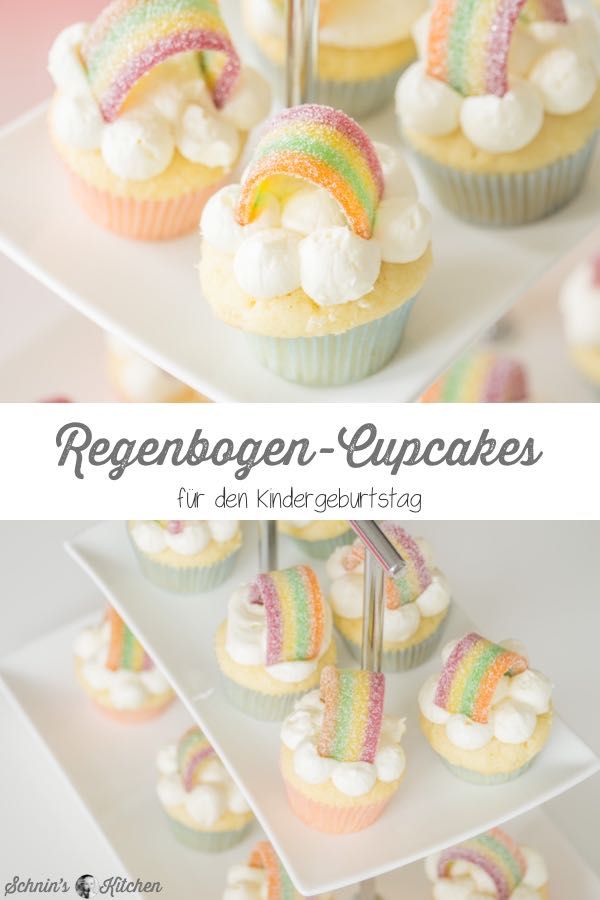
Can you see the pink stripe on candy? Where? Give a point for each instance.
(409, 545)
(496, 76)
(375, 715)
(449, 671)
(188, 775)
(479, 860)
(267, 592)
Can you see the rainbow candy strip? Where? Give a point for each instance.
(325, 147)
(471, 675)
(415, 577)
(295, 613)
(480, 378)
(130, 37)
(494, 852)
(124, 650)
(469, 41)
(353, 714)
(192, 750)
(279, 885)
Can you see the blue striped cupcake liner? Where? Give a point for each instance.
(474, 777)
(185, 579)
(268, 707)
(207, 841)
(324, 548)
(334, 359)
(410, 657)
(509, 199)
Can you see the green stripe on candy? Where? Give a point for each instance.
(129, 643)
(344, 722)
(484, 661)
(296, 583)
(459, 43)
(498, 848)
(454, 378)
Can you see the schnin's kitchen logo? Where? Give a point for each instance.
(85, 886)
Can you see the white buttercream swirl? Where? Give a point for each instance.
(175, 110)
(514, 710)
(300, 734)
(346, 596)
(306, 242)
(150, 537)
(246, 639)
(126, 690)
(580, 305)
(246, 883)
(214, 794)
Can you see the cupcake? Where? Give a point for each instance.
(580, 307)
(186, 557)
(416, 602)
(321, 251)
(487, 714)
(491, 865)
(363, 48)
(137, 380)
(341, 758)
(275, 642)
(503, 108)
(116, 672)
(150, 113)
(480, 377)
(318, 538)
(262, 878)
(205, 809)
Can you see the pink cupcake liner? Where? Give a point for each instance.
(333, 819)
(143, 220)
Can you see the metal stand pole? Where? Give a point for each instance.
(302, 50)
(267, 546)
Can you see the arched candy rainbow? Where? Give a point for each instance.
(279, 885)
(124, 649)
(193, 749)
(325, 147)
(471, 675)
(130, 37)
(415, 577)
(480, 378)
(295, 613)
(469, 42)
(353, 701)
(494, 852)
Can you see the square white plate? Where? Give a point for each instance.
(432, 809)
(148, 294)
(114, 778)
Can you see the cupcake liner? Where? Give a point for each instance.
(359, 98)
(333, 819)
(474, 777)
(144, 220)
(207, 841)
(324, 548)
(509, 199)
(268, 707)
(334, 359)
(403, 660)
(185, 579)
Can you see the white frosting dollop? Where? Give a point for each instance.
(267, 264)
(138, 145)
(580, 305)
(531, 688)
(566, 82)
(64, 62)
(166, 760)
(311, 208)
(337, 266)
(207, 139)
(400, 624)
(467, 881)
(397, 177)
(512, 722)
(194, 537)
(250, 100)
(246, 883)
(300, 734)
(223, 530)
(467, 734)
(403, 229)
(536, 874)
(218, 224)
(426, 104)
(77, 121)
(246, 639)
(427, 704)
(148, 536)
(503, 124)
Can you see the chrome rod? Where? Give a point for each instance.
(380, 545)
(367, 890)
(302, 50)
(267, 546)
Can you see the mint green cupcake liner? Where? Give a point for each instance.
(324, 548)
(186, 580)
(409, 658)
(207, 841)
(359, 98)
(477, 778)
(334, 359)
(509, 199)
(268, 707)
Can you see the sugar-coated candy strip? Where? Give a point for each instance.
(353, 701)
(279, 885)
(192, 750)
(124, 649)
(496, 853)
